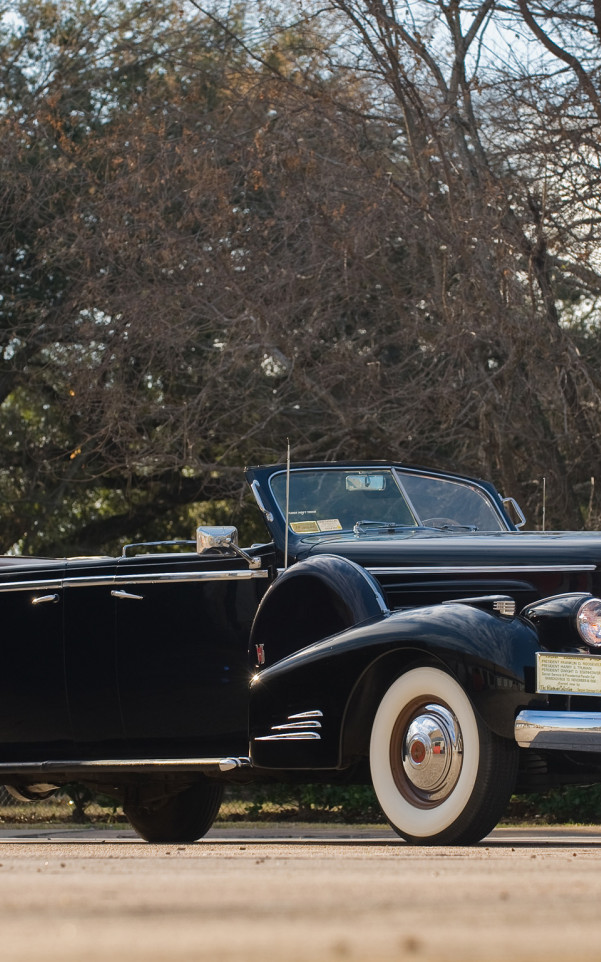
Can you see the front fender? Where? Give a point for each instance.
(315, 707)
(312, 600)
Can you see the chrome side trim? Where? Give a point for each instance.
(133, 579)
(91, 581)
(296, 726)
(53, 584)
(476, 569)
(242, 574)
(299, 727)
(288, 737)
(118, 765)
(568, 731)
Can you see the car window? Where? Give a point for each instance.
(334, 500)
(437, 500)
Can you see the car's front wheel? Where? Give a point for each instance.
(180, 817)
(440, 775)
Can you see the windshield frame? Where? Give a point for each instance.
(397, 473)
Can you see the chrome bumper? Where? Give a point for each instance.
(567, 731)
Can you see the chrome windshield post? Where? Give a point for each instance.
(255, 490)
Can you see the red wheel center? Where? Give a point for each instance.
(418, 752)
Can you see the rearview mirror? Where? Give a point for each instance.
(365, 482)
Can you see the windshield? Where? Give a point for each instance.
(331, 499)
(437, 500)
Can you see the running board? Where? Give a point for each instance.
(117, 765)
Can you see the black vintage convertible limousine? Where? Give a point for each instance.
(399, 628)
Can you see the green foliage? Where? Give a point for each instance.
(343, 804)
(570, 804)
(81, 798)
(313, 802)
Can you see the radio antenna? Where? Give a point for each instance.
(287, 502)
(544, 501)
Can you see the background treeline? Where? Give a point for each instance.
(371, 226)
(298, 803)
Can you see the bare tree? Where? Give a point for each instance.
(521, 399)
(364, 229)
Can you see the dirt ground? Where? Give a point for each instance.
(519, 895)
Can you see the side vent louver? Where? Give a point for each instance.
(505, 606)
(300, 727)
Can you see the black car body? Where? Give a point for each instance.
(398, 628)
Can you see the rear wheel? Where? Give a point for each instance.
(440, 775)
(182, 817)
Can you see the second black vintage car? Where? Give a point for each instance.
(398, 628)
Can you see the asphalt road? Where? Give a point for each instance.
(287, 897)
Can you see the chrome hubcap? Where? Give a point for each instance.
(432, 753)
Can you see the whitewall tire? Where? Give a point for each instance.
(439, 774)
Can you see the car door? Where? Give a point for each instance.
(183, 623)
(34, 717)
(90, 669)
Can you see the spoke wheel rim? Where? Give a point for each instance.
(426, 752)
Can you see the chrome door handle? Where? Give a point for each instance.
(127, 594)
(45, 600)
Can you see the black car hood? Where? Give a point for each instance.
(474, 549)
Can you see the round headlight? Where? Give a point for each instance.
(589, 622)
